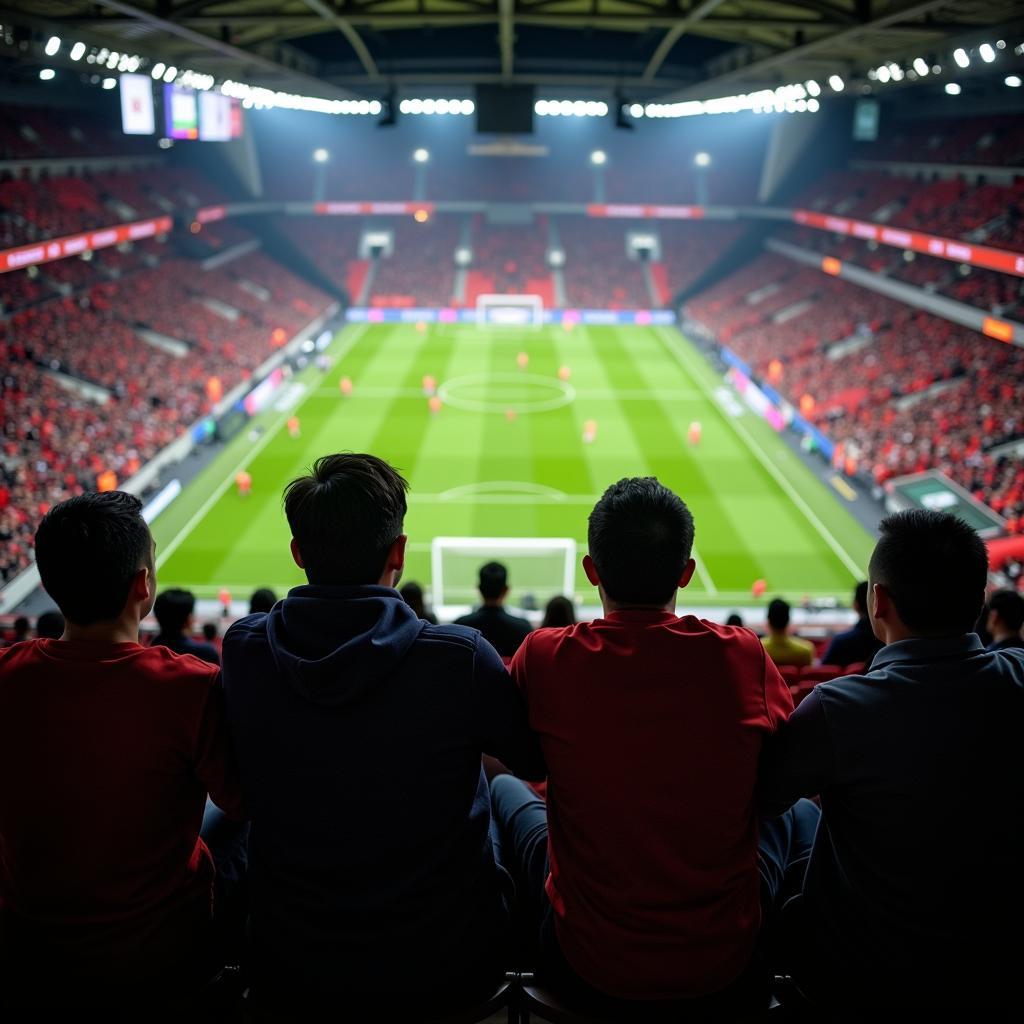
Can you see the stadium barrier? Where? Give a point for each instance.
(451, 315)
(203, 430)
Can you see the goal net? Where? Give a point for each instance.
(509, 310)
(538, 569)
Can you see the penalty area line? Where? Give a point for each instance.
(268, 435)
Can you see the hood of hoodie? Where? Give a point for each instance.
(332, 644)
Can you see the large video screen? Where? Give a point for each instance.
(181, 112)
(137, 105)
(214, 117)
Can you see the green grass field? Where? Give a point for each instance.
(477, 472)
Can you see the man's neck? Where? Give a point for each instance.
(124, 630)
(617, 606)
(1002, 635)
(495, 602)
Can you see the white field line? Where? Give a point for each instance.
(702, 572)
(593, 394)
(268, 435)
(762, 457)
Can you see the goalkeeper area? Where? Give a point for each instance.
(517, 451)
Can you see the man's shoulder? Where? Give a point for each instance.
(458, 634)
(162, 664)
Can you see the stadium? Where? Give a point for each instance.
(768, 252)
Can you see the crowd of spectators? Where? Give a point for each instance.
(976, 141)
(598, 272)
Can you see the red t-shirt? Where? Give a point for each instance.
(107, 752)
(651, 727)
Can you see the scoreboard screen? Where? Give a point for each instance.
(181, 112)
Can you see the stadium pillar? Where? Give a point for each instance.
(319, 182)
(598, 170)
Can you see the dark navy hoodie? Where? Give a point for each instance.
(358, 730)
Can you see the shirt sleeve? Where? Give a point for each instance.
(796, 761)
(215, 764)
(501, 715)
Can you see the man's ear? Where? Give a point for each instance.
(296, 555)
(688, 571)
(143, 588)
(396, 555)
(591, 570)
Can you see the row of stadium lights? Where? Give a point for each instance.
(920, 68)
(793, 99)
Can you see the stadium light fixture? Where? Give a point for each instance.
(421, 155)
(882, 74)
(170, 74)
(836, 83)
(158, 69)
(109, 83)
(987, 53)
(599, 158)
(636, 110)
(320, 155)
(921, 66)
(812, 87)
(813, 105)
(1013, 81)
(961, 57)
(47, 74)
(953, 89)
(52, 46)
(702, 160)
(78, 51)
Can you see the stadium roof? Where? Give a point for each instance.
(672, 49)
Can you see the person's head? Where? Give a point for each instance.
(640, 536)
(735, 619)
(926, 577)
(262, 600)
(50, 625)
(21, 627)
(95, 558)
(493, 582)
(560, 611)
(860, 599)
(346, 520)
(778, 615)
(173, 611)
(1005, 614)
(209, 632)
(412, 595)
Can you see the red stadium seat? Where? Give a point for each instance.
(819, 674)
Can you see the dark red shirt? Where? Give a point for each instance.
(107, 752)
(651, 727)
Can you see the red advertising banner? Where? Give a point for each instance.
(355, 209)
(74, 245)
(209, 214)
(917, 241)
(641, 210)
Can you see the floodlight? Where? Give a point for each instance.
(320, 155)
(1013, 81)
(170, 74)
(598, 157)
(421, 156)
(46, 74)
(921, 66)
(52, 46)
(813, 88)
(158, 69)
(961, 58)
(952, 89)
(109, 83)
(987, 53)
(702, 160)
(78, 51)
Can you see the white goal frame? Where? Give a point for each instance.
(484, 303)
(490, 548)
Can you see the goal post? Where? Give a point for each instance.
(509, 310)
(538, 569)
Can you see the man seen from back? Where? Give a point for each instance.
(858, 644)
(173, 611)
(107, 752)
(359, 729)
(505, 632)
(782, 648)
(914, 891)
(644, 874)
(1004, 619)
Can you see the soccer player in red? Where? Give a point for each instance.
(645, 871)
(243, 481)
(107, 752)
(294, 427)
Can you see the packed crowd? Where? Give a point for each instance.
(598, 272)
(561, 801)
(976, 141)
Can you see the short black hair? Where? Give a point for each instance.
(935, 568)
(172, 609)
(640, 537)
(210, 631)
(22, 626)
(860, 597)
(412, 595)
(262, 600)
(1009, 606)
(493, 580)
(50, 625)
(345, 515)
(560, 611)
(735, 619)
(88, 550)
(778, 614)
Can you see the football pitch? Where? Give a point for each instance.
(505, 457)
